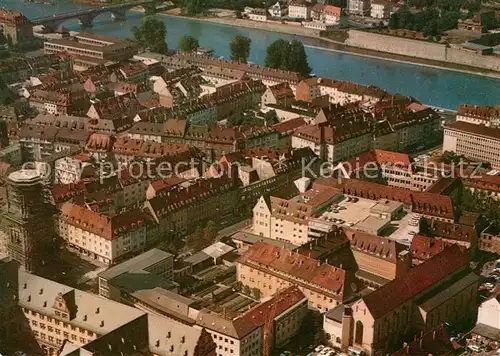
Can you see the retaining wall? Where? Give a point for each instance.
(421, 49)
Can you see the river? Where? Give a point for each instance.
(432, 86)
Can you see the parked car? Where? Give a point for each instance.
(319, 348)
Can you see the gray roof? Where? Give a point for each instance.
(198, 258)
(39, 294)
(487, 332)
(336, 314)
(170, 333)
(444, 295)
(137, 264)
(250, 238)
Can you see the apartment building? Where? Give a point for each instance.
(299, 10)
(270, 268)
(460, 234)
(279, 94)
(338, 140)
(396, 168)
(338, 92)
(288, 220)
(489, 240)
(477, 142)
(378, 257)
(154, 267)
(105, 239)
(126, 150)
(268, 76)
(179, 210)
(59, 320)
(328, 14)
(359, 7)
(380, 9)
(244, 335)
(488, 185)
(441, 289)
(479, 115)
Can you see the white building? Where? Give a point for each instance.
(258, 15)
(359, 7)
(72, 169)
(299, 10)
(380, 9)
(489, 313)
(476, 142)
(278, 11)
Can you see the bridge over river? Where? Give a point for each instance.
(87, 16)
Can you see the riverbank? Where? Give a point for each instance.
(311, 39)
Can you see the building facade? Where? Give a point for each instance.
(476, 142)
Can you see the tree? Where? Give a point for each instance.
(239, 48)
(209, 233)
(288, 56)
(274, 55)
(194, 7)
(297, 61)
(246, 290)
(151, 34)
(271, 117)
(424, 227)
(394, 21)
(195, 240)
(256, 293)
(188, 44)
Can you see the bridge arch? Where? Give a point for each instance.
(87, 16)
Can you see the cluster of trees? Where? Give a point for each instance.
(447, 5)
(288, 55)
(430, 21)
(480, 202)
(151, 34)
(202, 237)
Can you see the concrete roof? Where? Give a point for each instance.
(137, 264)
(218, 249)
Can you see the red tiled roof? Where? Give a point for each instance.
(99, 142)
(423, 247)
(479, 112)
(296, 265)
(485, 182)
(101, 225)
(433, 204)
(64, 192)
(332, 10)
(289, 125)
(393, 294)
(380, 157)
(452, 231)
(257, 316)
(369, 190)
(140, 148)
(378, 246)
(434, 342)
